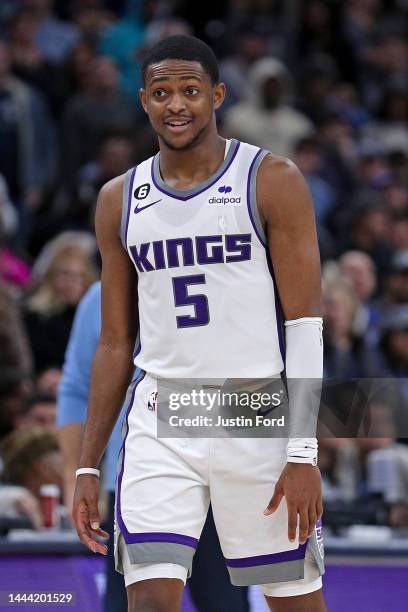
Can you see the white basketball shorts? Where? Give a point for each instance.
(164, 487)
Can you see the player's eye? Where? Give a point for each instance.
(192, 91)
(159, 93)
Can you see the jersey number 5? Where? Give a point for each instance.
(198, 301)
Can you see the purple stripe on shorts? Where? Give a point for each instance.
(132, 177)
(195, 193)
(174, 538)
(119, 518)
(261, 238)
(280, 557)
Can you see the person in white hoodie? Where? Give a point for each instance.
(267, 119)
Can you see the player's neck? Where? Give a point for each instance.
(184, 169)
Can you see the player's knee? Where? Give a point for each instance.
(144, 602)
(143, 597)
(312, 602)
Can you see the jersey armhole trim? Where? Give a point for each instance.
(251, 196)
(126, 203)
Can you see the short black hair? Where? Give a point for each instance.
(38, 398)
(182, 47)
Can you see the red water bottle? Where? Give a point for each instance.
(49, 497)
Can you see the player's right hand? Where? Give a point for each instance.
(86, 514)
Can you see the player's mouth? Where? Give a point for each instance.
(177, 125)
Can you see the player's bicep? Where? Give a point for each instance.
(119, 279)
(287, 208)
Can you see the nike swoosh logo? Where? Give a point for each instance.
(267, 411)
(139, 209)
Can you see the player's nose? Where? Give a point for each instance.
(176, 104)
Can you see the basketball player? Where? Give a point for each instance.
(192, 241)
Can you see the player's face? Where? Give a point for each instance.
(180, 101)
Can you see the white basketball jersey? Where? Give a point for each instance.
(208, 306)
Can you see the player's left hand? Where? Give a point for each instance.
(300, 483)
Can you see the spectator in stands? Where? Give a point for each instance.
(308, 157)
(92, 19)
(39, 411)
(398, 161)
(390, 129)
(14, 271)
(385, 63)
(394, 342)
(8, 214)
(399, 236)
(123, 42)
(317, 29)
(18, 503)
(15, 388)
(317, 79)
(60, 280)
(344, 100)
(396, 197)
(116, 155)
(15, 353)
(370, 232)
(396, 284)
(345, 354)
(268, 120)
(91, 114)
(373, 463)
(54, 38)
(357, 24)
(359, 269)
(387, 461)
(373, 169)
(27, 140)
(31, 66)
(163, 27)
(250, 45)
(31, 458)
(48, 381)
(345, 473)
(337, 138)
(78, 68)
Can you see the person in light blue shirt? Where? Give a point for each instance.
(71, 415)
(74, 386)
(209, 586)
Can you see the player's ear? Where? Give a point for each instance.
(142, 96)
(218, 95)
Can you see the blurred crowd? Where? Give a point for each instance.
(321, 81)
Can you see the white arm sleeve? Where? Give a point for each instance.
(304, 372)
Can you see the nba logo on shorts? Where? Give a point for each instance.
(319, 537)
(152, 403)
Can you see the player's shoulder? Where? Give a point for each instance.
(113, 189)
(281, 188)
(279, 176)
(277, 169)
(272, 169)
(109, 205)
(110, 197)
